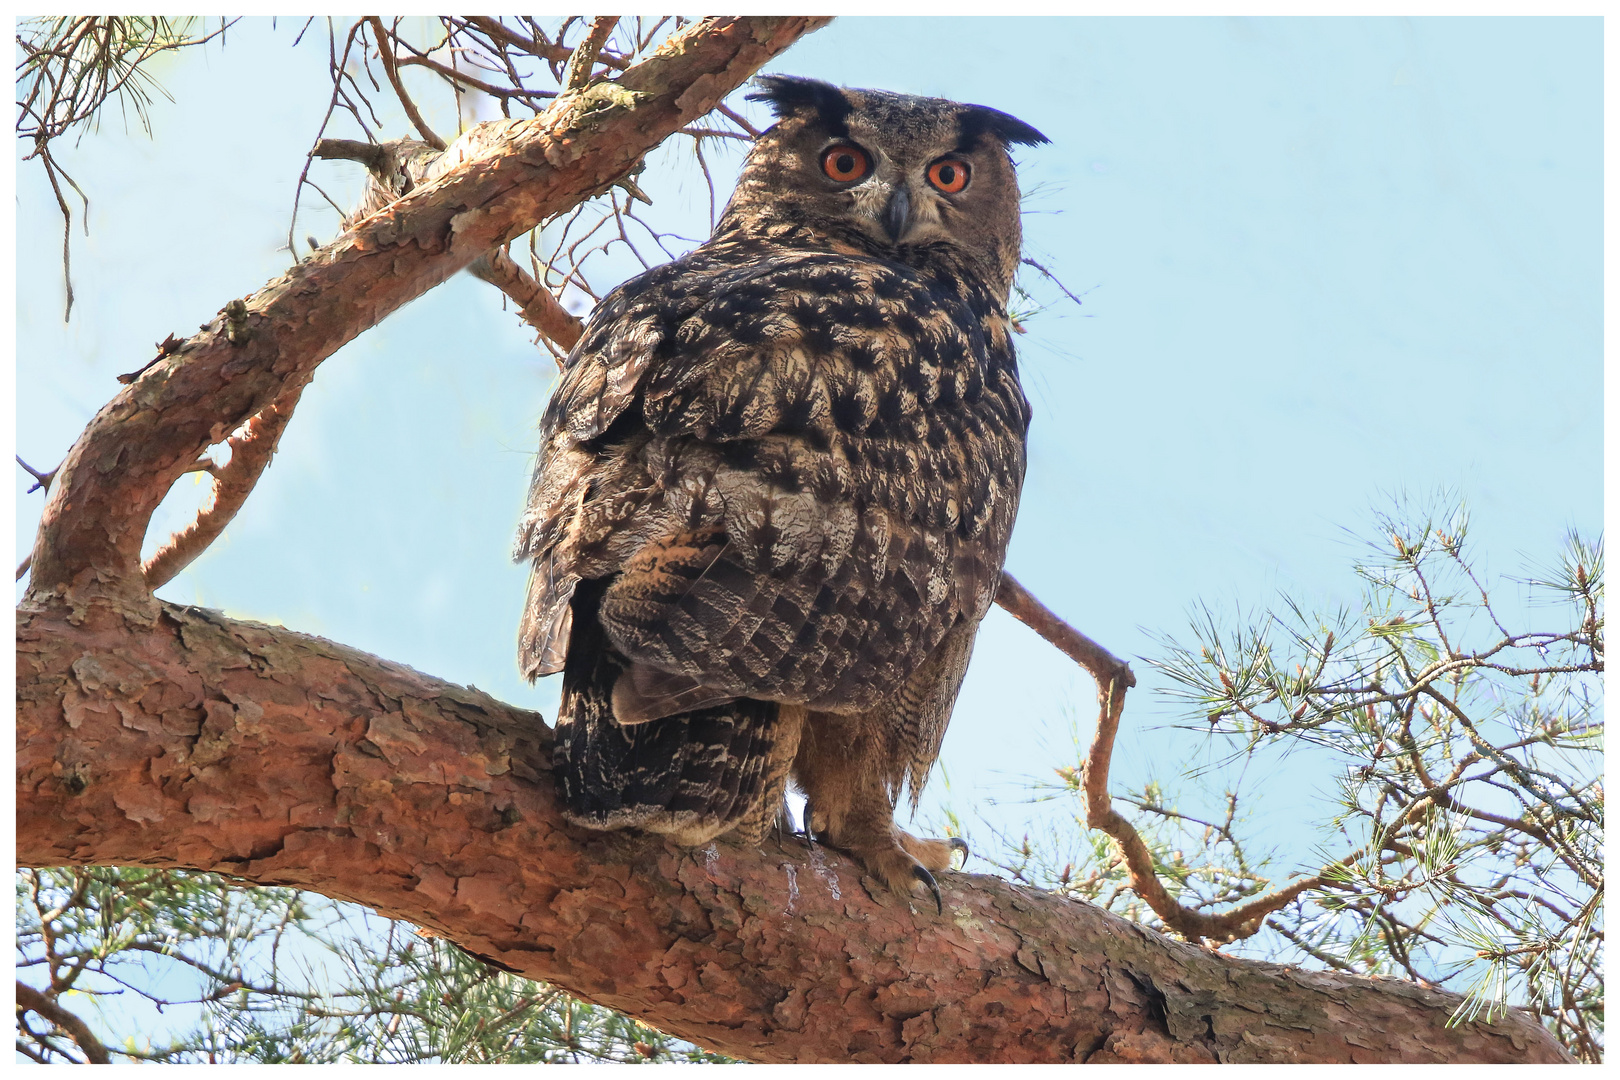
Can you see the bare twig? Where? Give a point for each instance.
(336, 66)
(543, 49)
(41, 480)
(477, 84)
(391, 69)
(1053, 278)
(740, 120)
(369, 154)
(166, 348)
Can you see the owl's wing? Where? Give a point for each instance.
(583, 492)
(852, 433)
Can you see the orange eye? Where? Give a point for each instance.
(845, 163)
(950, 175)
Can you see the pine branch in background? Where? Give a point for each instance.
(1467, 759)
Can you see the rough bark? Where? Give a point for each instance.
(181, 738)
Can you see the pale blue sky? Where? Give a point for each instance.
(1322, 260)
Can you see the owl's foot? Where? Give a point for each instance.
(933, 854)
(786, 830)
(867, 833)
(909, 862)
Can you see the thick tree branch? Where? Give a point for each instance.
(196, 741)
(402, 165)
(507, 178)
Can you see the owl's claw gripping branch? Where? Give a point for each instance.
(922, 875)
(958, 844)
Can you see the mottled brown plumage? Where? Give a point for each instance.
(777, 482)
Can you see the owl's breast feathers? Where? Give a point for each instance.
(850, 429)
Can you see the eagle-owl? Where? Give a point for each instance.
(776, 484)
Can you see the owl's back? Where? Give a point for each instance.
(855, 428)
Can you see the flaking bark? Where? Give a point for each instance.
(185, 739)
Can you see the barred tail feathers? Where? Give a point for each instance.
(692, 776)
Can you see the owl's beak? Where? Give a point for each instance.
(897, 214)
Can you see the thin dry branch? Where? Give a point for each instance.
(544, 49)
(477, 84)
(391, 69)
(33, 1001)
(1114, 679)
(538, 307)
(371, 155)
(1103, 665)
(41, 480)
(740, 120)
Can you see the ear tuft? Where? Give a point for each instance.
(979, 119)
(791, 95)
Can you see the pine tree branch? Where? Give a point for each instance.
(191, 740)
(251, 450)
(505, 179)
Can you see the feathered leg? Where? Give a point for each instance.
(841, 770)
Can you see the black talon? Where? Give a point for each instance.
(956, 843)
(922, 875)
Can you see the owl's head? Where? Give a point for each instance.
(900, 176)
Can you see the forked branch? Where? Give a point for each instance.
(251, 450)
(401, 166)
